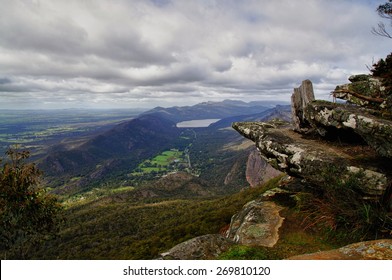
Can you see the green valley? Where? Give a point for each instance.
(168, 161)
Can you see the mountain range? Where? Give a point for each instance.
(110, 157)
(210, 110)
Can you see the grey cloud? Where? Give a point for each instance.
(27, 28)
(130, 49)
(73, 52)
(4, 81)
(9, 86)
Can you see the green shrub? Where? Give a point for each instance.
(383, 69)
(28, 215)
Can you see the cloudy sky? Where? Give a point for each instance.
(144, 53)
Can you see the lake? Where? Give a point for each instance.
(196, 123)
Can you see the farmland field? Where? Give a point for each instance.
(167, 161)
(38, 129)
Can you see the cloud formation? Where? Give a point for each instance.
(138, 53)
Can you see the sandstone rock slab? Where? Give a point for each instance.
(256, 224)
(205, 247)
(307, 158)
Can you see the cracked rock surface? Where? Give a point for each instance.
(256, 224)
(306, 157)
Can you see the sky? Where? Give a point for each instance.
(145, 53)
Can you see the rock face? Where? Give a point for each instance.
(368, 250)
(204, 247)
(258, 171)
(256, 224)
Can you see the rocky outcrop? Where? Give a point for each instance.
(256, 224)
(307, 158)
(258, 171)
(365, 91)
(206, 247)
(230, 177)
(368, 250)
(355, 140)
(377, 132)
(366, 120)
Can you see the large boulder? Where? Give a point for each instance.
(256, 224)
(205, 247)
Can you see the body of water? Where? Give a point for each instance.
(196, 123)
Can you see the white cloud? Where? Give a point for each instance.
(137, 52)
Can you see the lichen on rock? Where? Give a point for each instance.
(376, 131)
(256, 224)
(205, 247)
(307, 158)
(364, 90)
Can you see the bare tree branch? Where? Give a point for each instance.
(384, 11)
(381, 31)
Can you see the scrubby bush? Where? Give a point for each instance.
(27, 213)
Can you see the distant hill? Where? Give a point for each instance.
(210, 110)
(282, 112)
(134, 136)
(122, 147)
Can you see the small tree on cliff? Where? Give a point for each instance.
(384, 11)
(383, 69)
(27, 213)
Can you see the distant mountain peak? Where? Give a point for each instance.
(210, 110)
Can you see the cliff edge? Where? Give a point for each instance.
(337, 187)
(344, 139)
